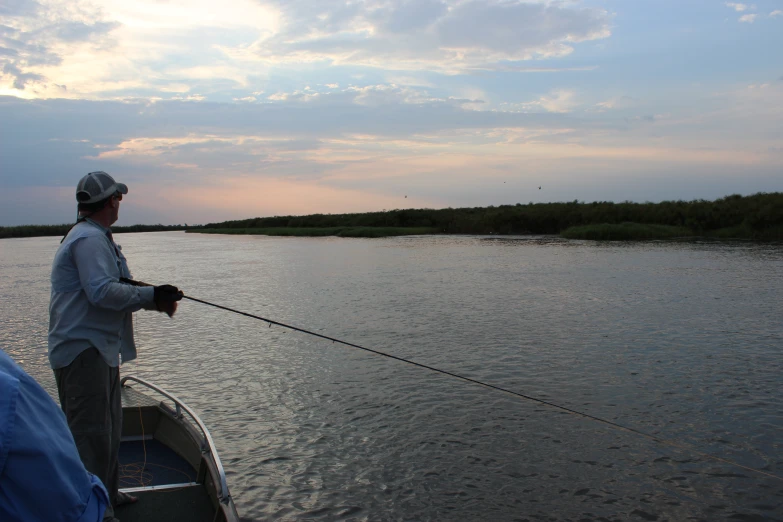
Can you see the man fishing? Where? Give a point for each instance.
(91, 328)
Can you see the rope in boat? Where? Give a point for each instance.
(137, 474)
(475, 381)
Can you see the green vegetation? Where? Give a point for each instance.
(61, 230)
(759, 217)
(744, 231)
(624, 231)
(326, 231)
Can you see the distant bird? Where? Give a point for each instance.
(406, 197)
(539, 188)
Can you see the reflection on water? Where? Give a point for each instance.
(678, 339)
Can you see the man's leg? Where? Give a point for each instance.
(119, 499)
(84, 387)
(115, 402)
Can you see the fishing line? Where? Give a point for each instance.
(474, 381)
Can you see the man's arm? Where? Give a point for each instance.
(99, 275)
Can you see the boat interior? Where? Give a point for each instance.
(168, 460)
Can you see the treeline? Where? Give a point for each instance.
(759, 216)
(61, 230)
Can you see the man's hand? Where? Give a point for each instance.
(169, 307)
(166, 297)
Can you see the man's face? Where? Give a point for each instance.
(115, 209)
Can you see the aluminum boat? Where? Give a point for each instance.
(168, 460)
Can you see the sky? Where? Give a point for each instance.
(211, 111)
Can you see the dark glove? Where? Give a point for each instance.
(167, 294)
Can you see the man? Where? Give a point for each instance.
(42, 478)
(91, 327)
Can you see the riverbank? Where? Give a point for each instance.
(759, 216)
(601, 232)
(756, 217)
(625, 232)
(61, 230)
(641, 231)
(323, 231)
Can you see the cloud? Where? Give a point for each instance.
(557, 101)
(386, 131)
(364, 145)
(413, 15)
(737, 7)
(36, 37)
(748, 18)
(430, 35)
(19, 7)
(616, 103)
(20, 79)
(114, 48)
(776, 12)
(310, 133)
(409, 81)
(529, 69)
(119, 49)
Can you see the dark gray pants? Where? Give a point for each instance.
(89, 392)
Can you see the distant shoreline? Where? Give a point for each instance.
(756, 217)
(324, 231)
(601, 232)
(61, 230)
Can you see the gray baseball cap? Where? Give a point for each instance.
(97, 186)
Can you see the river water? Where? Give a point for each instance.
(680, 340)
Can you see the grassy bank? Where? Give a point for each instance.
(625, 232)
(61, 230)
(324, 231)
(756, 216)
(639, 231)
(774, 233)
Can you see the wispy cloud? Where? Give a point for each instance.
(748, 18)
(776, 12)
(737, 7)
(411, 81)
(558, 101)
(530, 69)
(616, 103)
(427, 35)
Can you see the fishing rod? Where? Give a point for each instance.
(654, 438)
